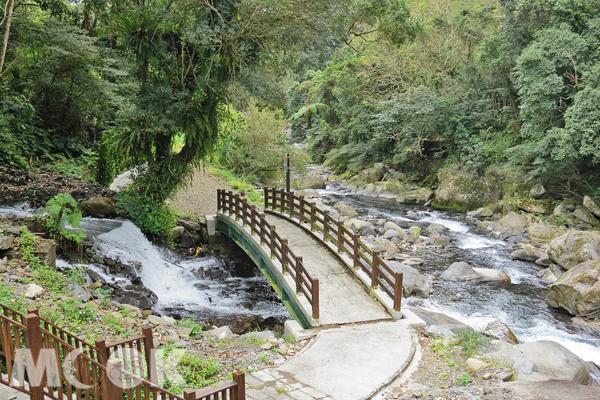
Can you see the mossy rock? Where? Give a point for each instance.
(463, 190)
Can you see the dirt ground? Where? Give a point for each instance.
(200, 196)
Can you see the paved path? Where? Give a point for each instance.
(343, 298)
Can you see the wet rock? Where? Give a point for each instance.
(136, 295)
(95, 277)
(417, 196)
(482, 212)
(6, 242)
(368, 231)
(313, 182)
(413, 282)
(490, 274)
(556, 361)
(99, 207)
(370, 175)
(547, 275)
(530, 254)
(591, 205)
(542, 234)
(460, 271)
(575, 247)
(537, 191)
(500, 330)
(345, 209)
(32, 291)
(577, 290)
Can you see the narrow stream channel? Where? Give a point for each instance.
(520, 304)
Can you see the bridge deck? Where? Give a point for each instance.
(343, 298)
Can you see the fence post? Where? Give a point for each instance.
(34, 343)
(219, 199)
(315, 298)
(340, 237)
(252, 214)
(398, 291)
(284, 251)
(272, 238)
(313, 207)
(266, 195)
(150, 361)
(355, 246)
(239, 392)
(299, 270)
(114, 390)
(375, 270)
(235, 206)
(262, 231)
(189, 394)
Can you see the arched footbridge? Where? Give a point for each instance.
(322, 271)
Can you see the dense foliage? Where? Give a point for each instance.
(414, 84)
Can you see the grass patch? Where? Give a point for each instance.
(471, 340)
(239, 183)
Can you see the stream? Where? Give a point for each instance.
(520, 304)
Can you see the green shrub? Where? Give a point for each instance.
(150, 216)
(62, 217)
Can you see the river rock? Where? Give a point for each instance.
(390, 225)
(389, 196)
(413, 234)
(6, 242)
(534, 206)
(32, 291)
(355, 225)
(591, 205)
(575, 247)
(500, 330)
(490, 274)
(417, 196)
(537, 191)
(413, 282)
(170, 337)
(460, 271)
(460, 190)
(98, 206)
(583, 214)
(547, 275)
(46, 250)
(371, 175)
(313, 182)
(136, 312)
(541, 234)
(528, 253)
(383, 246)
(155, 320)
(190, 225)
(436, 229)
(78, 292)
(395, 187)
(513, 356)
(512, 224)
(262, 335)
(368, 231)
(345, 209)
(563, 210)
(136, 295)
(577, 290)
(474, 365)
(551, 390)
(482, 212)
(390, 234)
(221, 333)
(177, 232)
(554, 360)
(310, 193)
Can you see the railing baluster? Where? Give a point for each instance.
(355, 245)
(299, 272)
(398, 291)
(315, 298)
(375, 270)
(284, 258)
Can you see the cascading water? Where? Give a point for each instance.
(520, 304)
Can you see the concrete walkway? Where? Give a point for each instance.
(350, 362)
(343, 298)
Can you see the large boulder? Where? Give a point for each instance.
(482, 212)
(417, 196)
(577, 290)
(313, 182)
(371, 175)
(6, 242)
(512, 224)
(462, 190)
(541, 234)
(490, 274)
(98, 206)
(530, 254)
(460, 271)
(500, 330)
(136, 295)
(575, 247)
(394, 186)
(556, 361)
(355, 225)
(583, 214)
(413, 282)
(537, 191)
(591, 205)
(345, 209)
(534, 206)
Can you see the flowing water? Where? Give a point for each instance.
(520, 304)
(206, 288)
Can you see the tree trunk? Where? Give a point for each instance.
(9, 9)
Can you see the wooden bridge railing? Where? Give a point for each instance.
(241, 209)
(68, 370)
(334, 231)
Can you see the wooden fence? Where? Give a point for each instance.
(72, 369)
(241, 209)
(302, 211)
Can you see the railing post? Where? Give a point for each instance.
(34, 343)
(313, 207)
(219, 199)
(398, 289)
(272, 239)
(340, 236)
(189, 394)
(252, 214)
(375, 270)
(235, 206)
(114, 389)
(284, 251)
(102, 352)
(262, 231)
(315, 298)
(239, 392)
(266, 195)
(301, 216)
(299, 271)
(291, 203)
(355, 245)
(149, 353)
